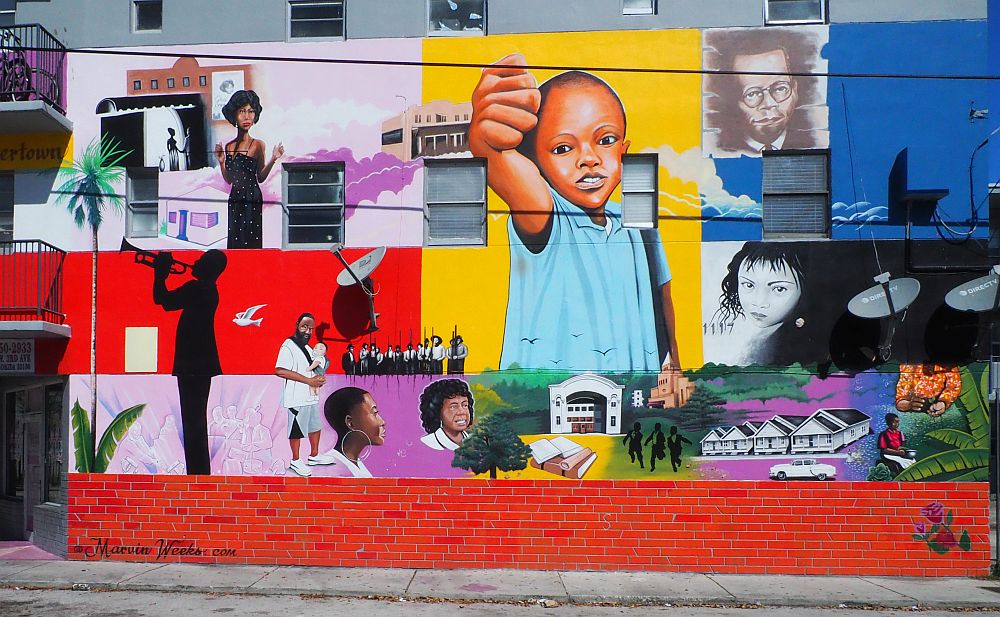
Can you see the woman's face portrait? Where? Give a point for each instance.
(246, 116)
(768, 294)
(455, 415)
(365, 418)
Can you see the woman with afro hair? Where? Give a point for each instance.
(243, 167)
(446, 412)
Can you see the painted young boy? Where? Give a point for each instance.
(581, 285)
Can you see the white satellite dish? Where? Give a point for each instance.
(979, 295)
(359, 272)
(360, 269)
(873, 303)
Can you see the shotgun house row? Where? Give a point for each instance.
(825, 431)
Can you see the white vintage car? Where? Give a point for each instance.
(803, 468)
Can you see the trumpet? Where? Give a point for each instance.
(147, 258)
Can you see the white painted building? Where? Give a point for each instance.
(712, 442)
(585, 403)
(774, 435)
(828, 430)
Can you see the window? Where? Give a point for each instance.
(456, 17)
(142, 194)
(638, 7)
(6, 206)
(794, 11)
(202, 81)
(314, 198)
(455, 193)
(137, 85)
(170, 82)
(186, 82)
(639, 190)
(147, 15)
(315, 19)
(796, 194)
(154, 84)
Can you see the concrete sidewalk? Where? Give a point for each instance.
(508, 585)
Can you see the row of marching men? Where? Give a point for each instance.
(427, 359)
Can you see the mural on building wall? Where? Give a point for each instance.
(778, 303)
(554, 151)
(566, 346)
(783, 425)
(782, 107)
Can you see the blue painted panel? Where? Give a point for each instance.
(929, 117)
(739, 217)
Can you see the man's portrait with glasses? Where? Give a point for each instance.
(763, 97)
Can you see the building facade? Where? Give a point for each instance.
(546, 252)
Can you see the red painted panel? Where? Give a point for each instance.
(289, 282)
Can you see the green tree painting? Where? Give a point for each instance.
(492, 445)
(969, 459)
(87, 190)
(89, 460)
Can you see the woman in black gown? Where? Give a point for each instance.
(242, 164)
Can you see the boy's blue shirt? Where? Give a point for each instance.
(584, 293)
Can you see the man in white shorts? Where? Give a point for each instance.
(304, 416)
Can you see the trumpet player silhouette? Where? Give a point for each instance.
(196, 354)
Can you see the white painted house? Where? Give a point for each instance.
(828, 430)
(774, 435)
(737, 440)
(712, 442)
(586, 403)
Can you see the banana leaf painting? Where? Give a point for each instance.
(969, 460)
(109, 440)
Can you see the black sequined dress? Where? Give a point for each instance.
(245, 202)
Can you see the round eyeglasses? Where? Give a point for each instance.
(779, 91)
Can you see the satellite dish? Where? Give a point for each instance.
(360, 269)
(872, 303)
(978, 295)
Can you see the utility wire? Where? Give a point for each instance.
(531, 67)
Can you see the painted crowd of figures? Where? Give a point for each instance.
(429, 358)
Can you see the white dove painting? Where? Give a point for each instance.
(245, 318)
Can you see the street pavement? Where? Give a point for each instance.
(56, 602)
(511, 586)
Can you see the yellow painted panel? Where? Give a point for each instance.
(33, 151)
(663, 115)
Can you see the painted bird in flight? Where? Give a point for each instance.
(245, 318)
(531, 341)
(605, 352)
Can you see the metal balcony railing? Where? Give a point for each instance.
(32, 66)
(31, 281)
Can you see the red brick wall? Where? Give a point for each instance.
(845, 528)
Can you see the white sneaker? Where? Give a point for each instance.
(300, 468)
(321, 459)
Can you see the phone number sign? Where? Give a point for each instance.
(17, 356)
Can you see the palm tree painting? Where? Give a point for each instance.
(969, 459)
(87, 190)
(89, 459)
